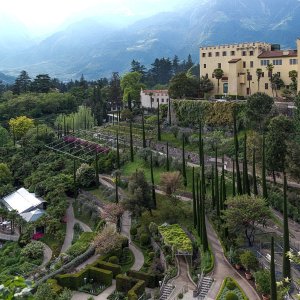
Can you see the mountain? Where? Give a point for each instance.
(6, 79)
(95, 48)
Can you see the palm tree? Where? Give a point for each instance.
(270, 68)
(218, 74)
(259, 73)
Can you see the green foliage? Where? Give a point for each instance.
(36, 106)
(133, 287)
(216, 114)
(19, 126)
(231, 296)
(174, 236)
(45, 292)
(131, 85)
(113, 260)
(81, 245)
(133, 231)
(4, 137)
(145, 239)
(263, 281)
(33, 250)
(85, 176)
(82, 119)
(237, 291)
(249, 260)
(230, 285)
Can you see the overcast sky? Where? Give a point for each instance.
(42, 16)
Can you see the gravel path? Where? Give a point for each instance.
(69, 231)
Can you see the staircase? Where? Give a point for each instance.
(166, 292)
(205, 286)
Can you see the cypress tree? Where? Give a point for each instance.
(221, 194)
(236, 146)
(233, 179)
(158, 123)
(203, 167)
(183, 162)
(152, 181)
(117, 191)
(246, 184)
(97, 170)
(131, 142)
(255, 191)
(272, 271)
(286, 265)
(263, 173)
(143, 126)
(169, 112)
(198, 205)
(213, 188)
(217, 184)
(168, 163)
(194, 200)
(74, 179)
(118, 151)
(200, 143)
(200, 209)
(223, 185)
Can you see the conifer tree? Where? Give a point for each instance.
(217, 185)
(223, 185)
(246, 184)
(255, 191)
(213, 188)
(74, 179)
(168, 162)
(286, 265)
(97, 170)
(131, 142)
(203, 167)
(200, 209)
(183, 162)
(194, 200)
(204, 232)
(169, 112)
(263, 173)
(118, 151)
(233, 179)
(158, 123)
(272, 272)
(117, 190)
(152, 181)
(200, 143)
(236, 146)
(143, 128)
(198, 205)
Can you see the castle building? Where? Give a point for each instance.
(240, 62)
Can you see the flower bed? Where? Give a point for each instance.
(229, 285)
(174, 236)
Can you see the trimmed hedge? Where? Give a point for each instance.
(73, 281)
(54, 285)
(151, 280)
(133, 287)
(224, 286)
(101, 275)
(115, 269)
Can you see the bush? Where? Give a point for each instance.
(230, 285)
(145, 239)
(133, 231)
(231, 296)
(249, 260)
(151, 255)
(180, 296)
(33, 250)
(113, 260)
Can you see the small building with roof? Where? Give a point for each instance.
(151, 98)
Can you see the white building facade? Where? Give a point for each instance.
(151, 98)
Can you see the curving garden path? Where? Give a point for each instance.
(47, 255)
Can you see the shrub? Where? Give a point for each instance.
(263, 281)
(230, 285)
(113, 260)
(231, 296)
(133, 231)
(33, 250)
(180, 296)
(145, 239)
(249, 260)
(153, 228)
(151, 255)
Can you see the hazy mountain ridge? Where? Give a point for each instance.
(96, 49)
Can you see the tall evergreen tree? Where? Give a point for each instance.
(97, 170)
(152, 181)
(158, 123)
(169, 112)
(117, 189)
(118, 151)
(223, 184)
(233, 179)
(217, 184)
(246, 184)
(263, 172)
(255, 191)
(183, 162)
(143, 128)
(74, 179)
(131, 141)
(236, 146)
(168, 162)
(198, 206)
(194, 199)
(272, 272)
(213, 188)
(286, 265)
(200, 209)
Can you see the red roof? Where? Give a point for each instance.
(155, 91)
(278, 53)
